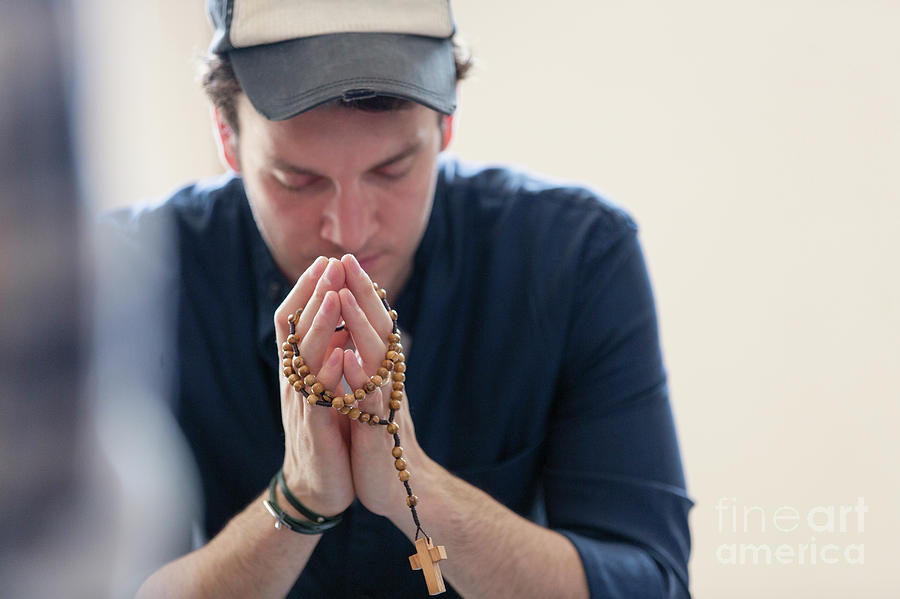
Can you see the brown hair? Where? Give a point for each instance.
(222, 88)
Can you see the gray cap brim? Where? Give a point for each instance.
(287, 78)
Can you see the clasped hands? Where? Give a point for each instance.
(329, 459)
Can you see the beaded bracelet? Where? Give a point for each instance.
(392, 370)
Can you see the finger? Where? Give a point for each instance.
(332, 279)
(299, 295)
(361, 285)
(332, 370)
(301, 415)
(357, 378)
(318, 338)
(367, 342)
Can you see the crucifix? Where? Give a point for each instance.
(426, 559)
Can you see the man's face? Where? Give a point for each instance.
(335, 180)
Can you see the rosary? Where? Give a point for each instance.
(392, 371)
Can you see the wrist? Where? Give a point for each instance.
(299, 504)
(426, 484)
(311, 523)
(286, 505)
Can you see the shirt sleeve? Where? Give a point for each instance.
(613, 480)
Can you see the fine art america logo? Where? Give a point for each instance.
(822, 534)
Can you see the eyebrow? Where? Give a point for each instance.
(300, 170)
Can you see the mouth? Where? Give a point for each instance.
(368, 262)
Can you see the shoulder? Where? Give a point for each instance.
(513, 201)
(185, 232)
(192, 208)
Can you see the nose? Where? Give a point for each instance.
(348, 219)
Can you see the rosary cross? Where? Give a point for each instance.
(426, 559)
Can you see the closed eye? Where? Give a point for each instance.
(295, 181)
(395, 170)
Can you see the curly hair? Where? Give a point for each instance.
(222, 87)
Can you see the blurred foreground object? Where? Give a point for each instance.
(82, 453)
(52, 500)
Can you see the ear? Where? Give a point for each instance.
(227, 142)
(447, 131)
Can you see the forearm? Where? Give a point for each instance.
(248, 558)
(492, 551)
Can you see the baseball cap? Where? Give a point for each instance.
(293, 55)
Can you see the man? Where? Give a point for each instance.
(534, 420)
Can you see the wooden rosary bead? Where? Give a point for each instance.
(317, 388)
(354, 413)
(392, 428)
(287, 347)
(387, 365)
(303, 370)
(400, 367)
(286, 362)
(393, 338)
(310, 380)
(395, 404)
(382, 372)
(298, 362)
(292, 378)
(403, 475)
(374, 420)
(288, 372)
(312, 399)
(337, 403)
(298, 386)
(287, 355)
(391, 355)
(382, 293)
(364, 417)
(349, 398)
(399, 386)
(292, 318)
(411, 500)
(377, 380)
(401, 357)
(369, 387)
(396, 394)
(293, 339)
(393, 314)
(345, 410)
(375, 286)
(397, 451)
(399, 376)
(400, 464)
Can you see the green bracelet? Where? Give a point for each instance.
(307, 513)
(301, 526)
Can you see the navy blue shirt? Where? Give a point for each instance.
(535, 374)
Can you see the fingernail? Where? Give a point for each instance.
(350, 260)
(328, 295)
(336, 355)
(328, 270)
(351, 300)
(319, 265)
